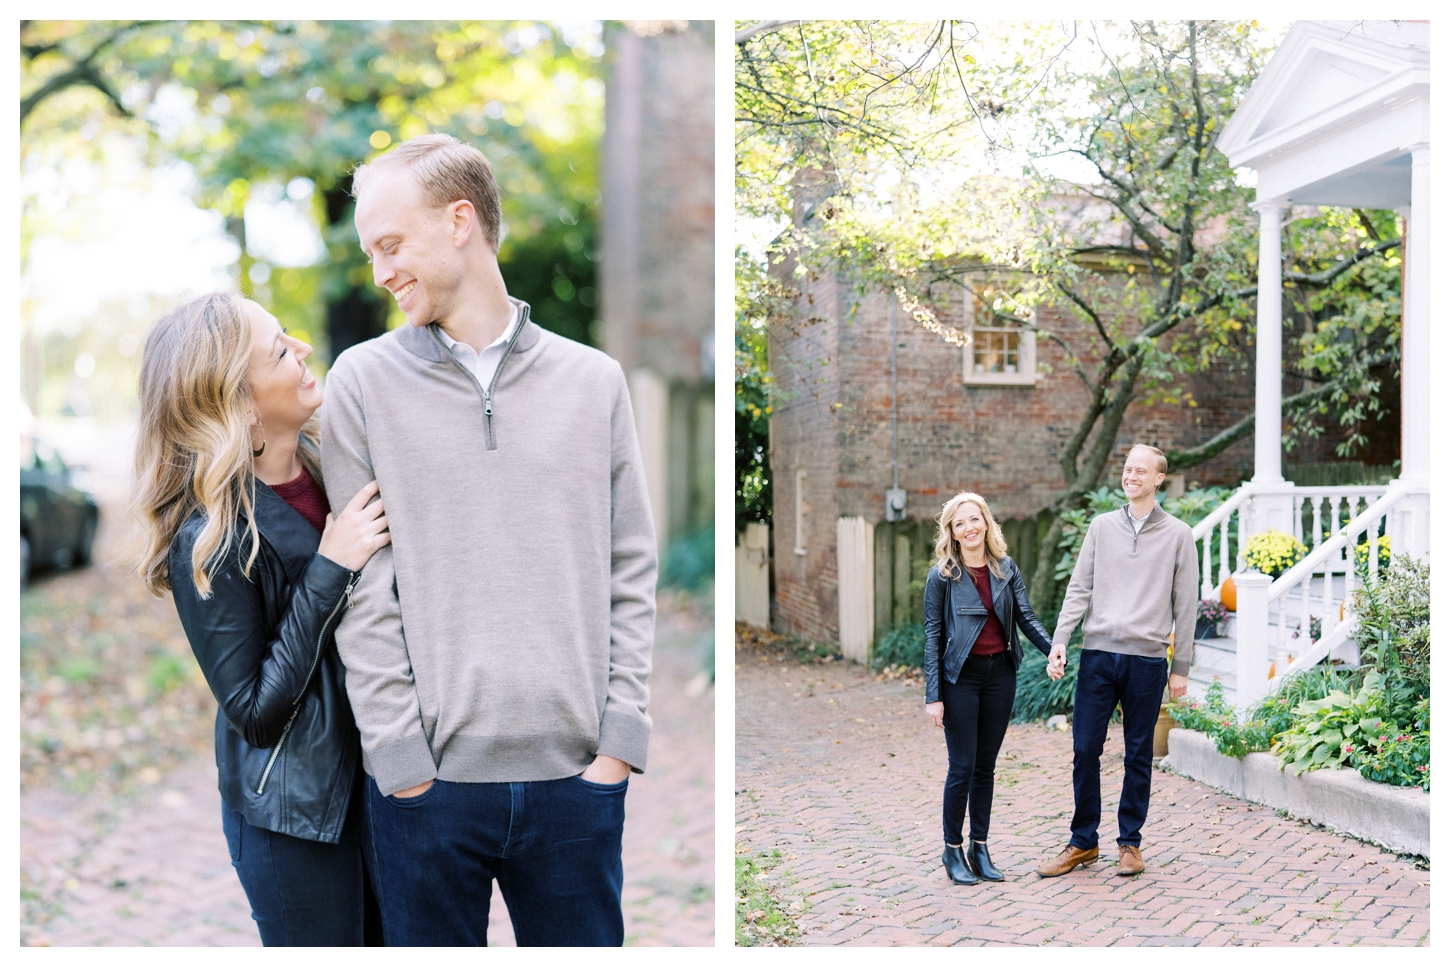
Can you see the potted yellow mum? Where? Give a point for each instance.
(1273, 552)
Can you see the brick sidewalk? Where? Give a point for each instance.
(842, 774)
(155, 871)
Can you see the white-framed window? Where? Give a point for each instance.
(1002, 351)
(800, 510)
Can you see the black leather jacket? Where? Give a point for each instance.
(286, 746)
(955, 616)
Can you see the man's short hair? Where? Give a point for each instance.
(1162, 460)
(447, 170)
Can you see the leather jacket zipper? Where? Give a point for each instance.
(316, 657)
(485, 394)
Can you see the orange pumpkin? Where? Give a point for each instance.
(1229, 594)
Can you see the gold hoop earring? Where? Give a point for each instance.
(258, 452)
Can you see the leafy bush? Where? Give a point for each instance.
(1273, 715)
(1216, 718)
(904, 644)
(1328, 731)
(1400, 756)
(1273, 552)
(1394, 618)
(1039, 696)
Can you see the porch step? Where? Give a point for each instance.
(1213, 658)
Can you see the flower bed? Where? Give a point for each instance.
(1374, 720)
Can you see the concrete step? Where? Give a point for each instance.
(1213, 659)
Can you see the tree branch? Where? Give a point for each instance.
(760, 30)
(1221, 441)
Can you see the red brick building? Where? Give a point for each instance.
(988, 417)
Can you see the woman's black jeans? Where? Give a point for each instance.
(304, 893)
(977, 709)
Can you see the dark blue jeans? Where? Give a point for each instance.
(553, 846)
(977, 708)
(304, 893)
(1105, 680)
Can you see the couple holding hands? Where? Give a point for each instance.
(418, 701)
(1135, 581)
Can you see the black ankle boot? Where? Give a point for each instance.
(981, 863)
(956, 865)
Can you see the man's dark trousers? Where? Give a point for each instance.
(553, 846)
(1104, 680)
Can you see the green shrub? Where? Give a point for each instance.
(1393, 610)
(1216, 718)
(1328, 731)
(1266, 720)
(1038, 696)
(904, 644)
(689, 562)
(1399, 755)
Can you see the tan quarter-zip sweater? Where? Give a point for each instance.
(1131, 590)
(505, 635)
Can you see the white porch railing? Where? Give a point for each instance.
(1323, 582)
(1275, 632)
(1226, 518)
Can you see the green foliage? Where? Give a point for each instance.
(1273, 552)
(754, 390)
(1266, 720)
(761, 918)
(1215, 718)
(1327, 731)
(1400, 755)
(253, 105)
(689, 562)
(1038, 696)
(903, 644)
(1393, 611)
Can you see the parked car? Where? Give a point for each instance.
(57, 519)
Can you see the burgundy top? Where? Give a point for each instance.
(993, 639)
(306, 498)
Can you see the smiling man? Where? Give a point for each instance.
(1135, 583)
(497, 652)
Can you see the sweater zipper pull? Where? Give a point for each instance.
(488, 406)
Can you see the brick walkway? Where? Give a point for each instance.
(842, 774)
(155, 871)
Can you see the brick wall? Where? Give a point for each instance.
(1000, 441)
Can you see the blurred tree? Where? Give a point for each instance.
(254, 104)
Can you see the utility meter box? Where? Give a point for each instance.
(896, 504)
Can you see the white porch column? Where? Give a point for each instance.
(1272, 504)
(1269, 368)
(1415, 361)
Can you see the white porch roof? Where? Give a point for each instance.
(1332, 117)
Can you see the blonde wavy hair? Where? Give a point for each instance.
(193, 443)
(949, 563)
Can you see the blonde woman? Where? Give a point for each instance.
(975, 602)
(238, 528)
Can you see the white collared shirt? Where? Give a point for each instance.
(482, 365)
(1138, 522)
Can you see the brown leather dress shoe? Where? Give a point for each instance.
(1130, 860)
(1068, 860)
